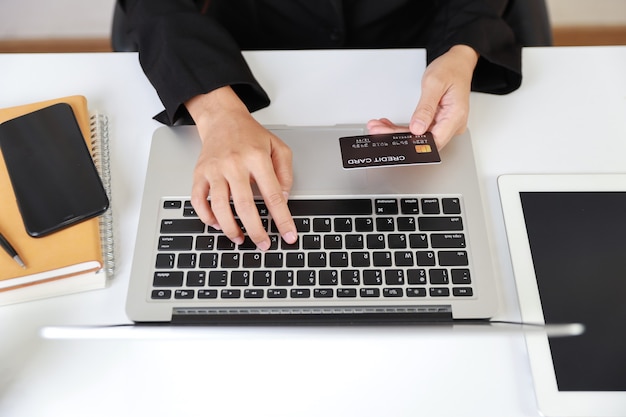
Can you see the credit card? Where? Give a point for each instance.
(388, 149)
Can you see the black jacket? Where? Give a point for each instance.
(189, 47)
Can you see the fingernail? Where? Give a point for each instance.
(290, 237)
(418, 127)
(263, 246)
(286, 195)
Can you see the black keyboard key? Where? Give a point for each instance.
(430, 206)
(453, 258)
(240, 278)
(303, 224)
(252, 259)
(165, 261)
(339, 259)
(261, 278)
(186, 260)
(382, 259)
(376, 241)
(184, 294)
(369, 292)
(205, 242)
(461, 276)
(230, 260)
(451, 205)
(393, 292)
(207, 294)
(409, 206)
(350, 277)
(406, 224)
(363, 224)
(372, 277)
(290, 246)
(462, 291)
(316, 259)
(397, 241)
(447, 240)
(305, 277)
(321, 224)
(440, 224)
(385, 224)
(229, 293)
(218, 278)
(416, 292)
(253, 293)
(300, 293)
(439, 292)
(328, 277)
(284, 278)
(189, 212)
(196, 278)
(343, 224)
(394, 277)
(224, 243)
(354, 242)
(273, 259)
(182, 226)
(386, 206)
(439, 276)
(323, 293)
(338, 207)
(276, 293)
(295, 259)
(175, 242)
(425, 258)
(172, 204)
(346, 292)
(333, 242)
(418, 241)
(247, 244)
(168, 279)
(161, 294)
(360, 259)
(403, 258)
(311, 242)
(416, 276)
(208, 260)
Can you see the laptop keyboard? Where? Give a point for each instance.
(350, 249)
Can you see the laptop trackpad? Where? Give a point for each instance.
(317, 165)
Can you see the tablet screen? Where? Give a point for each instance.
(578, 247)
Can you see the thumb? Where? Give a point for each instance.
(426, 110)
(281, 159)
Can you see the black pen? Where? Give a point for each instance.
(11, 251)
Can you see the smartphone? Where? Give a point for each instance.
(54, 178)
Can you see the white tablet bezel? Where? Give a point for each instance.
(550, 401)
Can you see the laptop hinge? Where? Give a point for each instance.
(313, 315)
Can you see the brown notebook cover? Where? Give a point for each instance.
(47, 258)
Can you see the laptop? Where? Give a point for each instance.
(399, 244)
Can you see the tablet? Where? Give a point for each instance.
(567, 239)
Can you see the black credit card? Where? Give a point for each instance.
(388, 149)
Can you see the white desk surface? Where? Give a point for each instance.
(568, 116)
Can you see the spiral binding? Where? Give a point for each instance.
(100, 153)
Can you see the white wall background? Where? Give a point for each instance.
(27, 19)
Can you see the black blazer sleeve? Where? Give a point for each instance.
(479, 24)
(185, 53)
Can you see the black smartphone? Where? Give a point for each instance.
(54, 178)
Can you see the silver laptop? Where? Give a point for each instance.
(378, 245)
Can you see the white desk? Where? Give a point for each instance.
(568, 116)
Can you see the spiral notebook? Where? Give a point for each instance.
(75, 259)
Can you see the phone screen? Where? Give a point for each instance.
(55, 181)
